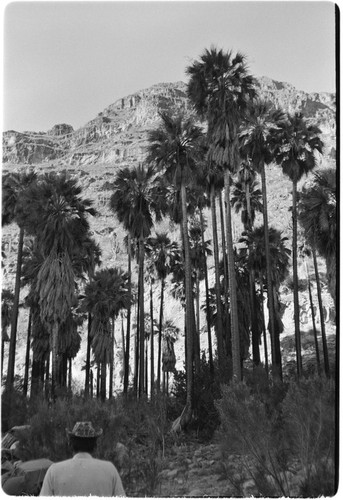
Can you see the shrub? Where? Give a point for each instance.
(282, 435)
(141, 426)
(14, 409)
(309, 413)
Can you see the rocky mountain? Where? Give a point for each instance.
(118, 137)
(119, 133)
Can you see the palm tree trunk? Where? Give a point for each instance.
(103, 379)
(295, 282)
(110, 390)
(47, 377)
(91, 380)
(27, 355)
(146, 368)
(70, 376)
(141, 316)
(135, 376)
(55, 360)
(197, 330)
(275, 342)
(264, 332)
(219, 322)
(98, 381)
(321, 314)
(152, 360)
(313, 320)
(189, 309)
(160, 337)
(88, 355)
(127, 351)
(255, 340)
(210, 353)
(226, 274)
(14, 323)
(2, 352)
(236, 355)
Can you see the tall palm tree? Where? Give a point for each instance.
(199, 251)
(318, 217)
(104, 297)
(170, 335)
(210, 178)
(84, 264)
(54, 211)
(162, 252)
(246, 198)
(295, 152)
(39, 337)
(305, 253)
(13, 187)
(262, 122)
(7, 298)
(255, 256)
(135, 200)
(173, 148)
(220, 87)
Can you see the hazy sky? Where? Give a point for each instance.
(64, 62)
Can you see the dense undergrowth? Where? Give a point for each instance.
(274, 429)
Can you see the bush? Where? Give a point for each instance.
(283, 436)
(141, 426)
(14, 409)
(309, 413)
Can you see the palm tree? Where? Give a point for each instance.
(13, 188)
(219, 88)
(7, 298)
(119, 209)
(39, 337)
(255, 257)
(104, 297)
(246, 197)
(170, 335)
(162, 252)
(318, 217)
(295, 153)
(305, 252)
(210, 178)
(199, 250)
(55, 213)
(84, 264)
(135, 200)
(258, 141)
(173, 147)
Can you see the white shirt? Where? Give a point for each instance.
(82, 475)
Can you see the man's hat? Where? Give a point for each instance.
(84, 430)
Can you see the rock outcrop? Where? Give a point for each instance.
(119, 133)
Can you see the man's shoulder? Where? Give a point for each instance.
(105, 464)
(61, 465)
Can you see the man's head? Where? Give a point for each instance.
(83, 437)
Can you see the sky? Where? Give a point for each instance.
(64, 62)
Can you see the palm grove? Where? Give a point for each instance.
(210, 162)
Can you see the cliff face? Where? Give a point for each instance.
(119, 133)
(118, 137)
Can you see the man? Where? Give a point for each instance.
(82, 475)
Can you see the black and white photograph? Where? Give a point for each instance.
(169, 244)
